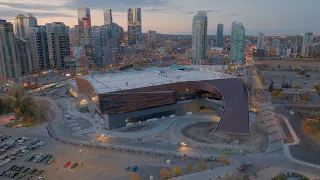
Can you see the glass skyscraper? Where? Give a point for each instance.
(107, 16)
(134, 26)
(237, 43)
(84, 22)
(219, 35)
(199, 37)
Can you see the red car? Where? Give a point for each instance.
(67, 164)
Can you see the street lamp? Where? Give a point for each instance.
(81, 157)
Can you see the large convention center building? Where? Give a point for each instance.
(133, 96)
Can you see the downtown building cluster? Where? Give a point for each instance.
(200, 40)
(27, 48)
(305, 46)
(32, 48)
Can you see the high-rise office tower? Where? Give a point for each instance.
(110, 45)
(97, 46)
(307, 42)
(107, 14)
(237, 43)
(74, 36)
(219, 35)
(134, 26)
(114, 45)
(39, 48)
(275, 43)
(84, 22)
(152, 39)
(58, 43)
(297, 45)
(199, 37)
(9, 62)
(260, 40)
(23, 53)
(22, 25)
(122, 35)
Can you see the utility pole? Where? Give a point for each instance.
(81, 157)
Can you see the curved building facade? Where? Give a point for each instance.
(129, 102)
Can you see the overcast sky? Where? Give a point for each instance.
(175, 16)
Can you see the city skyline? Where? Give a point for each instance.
(168, 12)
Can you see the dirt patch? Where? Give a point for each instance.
(200, 132)
(312, 127)
(204, 133)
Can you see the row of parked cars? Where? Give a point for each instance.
(4, 137)
(40, 157)
(12, 156)
(22, 171)
(35, 144)
(11, 144)
(6, 146)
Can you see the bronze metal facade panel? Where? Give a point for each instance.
(235, 119)
(85, 87)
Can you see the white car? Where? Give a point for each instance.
(40, 178)
(25, 138)
(6, 161)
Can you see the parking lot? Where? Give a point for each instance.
(14, 150)
(97, 163)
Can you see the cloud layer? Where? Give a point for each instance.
(175, 16)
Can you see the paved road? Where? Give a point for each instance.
(307, 150)
(289, 138)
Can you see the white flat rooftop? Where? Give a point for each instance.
(106, 83)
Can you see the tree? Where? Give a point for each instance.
(270, 89)
(15, 94)
(317, 87)
(223, 158)
(297, 87)
(202, 165)
(301, 72)
(165, 174)
(308, 75)
(135, 176)
(177, 171)
(304, 97)
(278, 94)
(189, 168)
(26, 110)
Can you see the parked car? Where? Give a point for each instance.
(228, 151)
(32, 171)
(40, 178)
(74, 165)
(39, 172)
(135, 168)
(67, 164)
